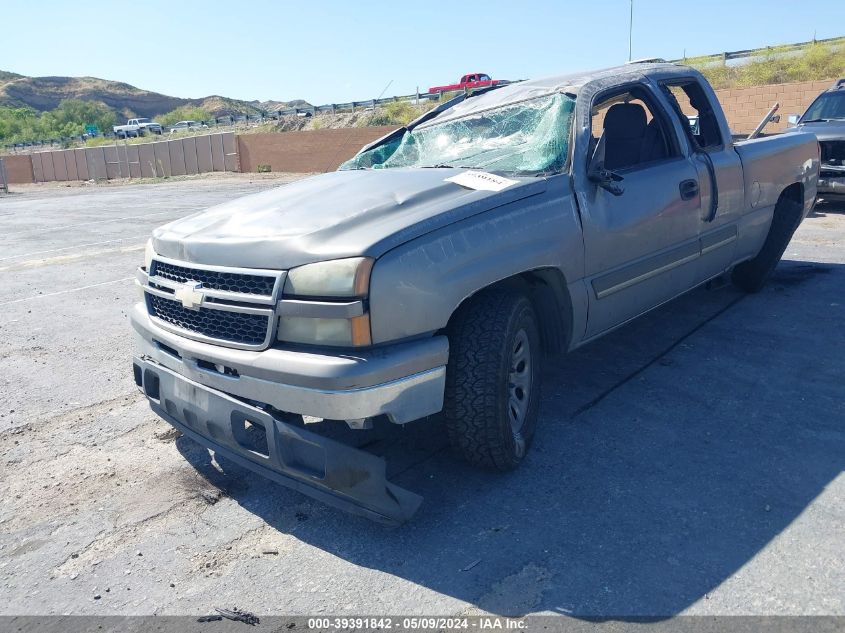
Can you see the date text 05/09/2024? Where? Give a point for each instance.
(419, 623)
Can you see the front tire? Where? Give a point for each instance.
(752, 275)
(493, 379)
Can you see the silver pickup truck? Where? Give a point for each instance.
(434, 271)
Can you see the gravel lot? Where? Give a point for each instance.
(692, 462)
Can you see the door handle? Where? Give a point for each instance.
(688, 189)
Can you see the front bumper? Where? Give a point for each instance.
(210, 393)
(405, 381)
(325, 469)
(832, 186)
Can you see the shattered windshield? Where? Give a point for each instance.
(830, 105)
(526, 137)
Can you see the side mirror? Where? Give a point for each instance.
(775, 118)
(792, 120)
(606, 179)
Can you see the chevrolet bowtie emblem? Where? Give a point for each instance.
(190, 295)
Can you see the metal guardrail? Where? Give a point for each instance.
(370, 104)
(754, 52)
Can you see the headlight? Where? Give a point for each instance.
(149, 253)
(321, 290)
(335, 278)
(353, 332)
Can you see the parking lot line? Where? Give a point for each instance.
(66, 248)
(73, 226)
(63, 292)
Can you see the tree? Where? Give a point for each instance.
(69, 118)
(72, 115)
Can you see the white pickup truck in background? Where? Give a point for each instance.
(137, 127)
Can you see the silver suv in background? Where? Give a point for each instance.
(183, 126)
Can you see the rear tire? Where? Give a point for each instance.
(752, 275)
(493, 379)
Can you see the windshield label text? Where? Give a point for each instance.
(481, 181)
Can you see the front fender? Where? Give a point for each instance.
(416, 287)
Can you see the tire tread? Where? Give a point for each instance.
(474, 376)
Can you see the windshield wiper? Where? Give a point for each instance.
(440, 166)
(815, 121)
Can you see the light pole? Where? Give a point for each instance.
(630, 28)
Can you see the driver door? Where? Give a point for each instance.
(640, 232)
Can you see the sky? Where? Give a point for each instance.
(328, 51)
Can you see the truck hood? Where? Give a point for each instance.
(333, 215)
(824, 130)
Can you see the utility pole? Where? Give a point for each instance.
(630, 28)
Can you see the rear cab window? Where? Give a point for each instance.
(694, 109)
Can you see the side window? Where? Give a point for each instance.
(697, 112)
(627, 131)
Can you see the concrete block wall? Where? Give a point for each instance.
(305, 152)
(171, 157)
(745, 107)
(19, 169)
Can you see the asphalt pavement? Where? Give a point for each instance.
(689, 463)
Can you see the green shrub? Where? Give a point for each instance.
(69, 118)
(775, 66)
(263, 169)
(396, 113)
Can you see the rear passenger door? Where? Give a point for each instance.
(640, 244)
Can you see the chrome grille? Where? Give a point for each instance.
(231, 307)
(216, 279)
(234, 327)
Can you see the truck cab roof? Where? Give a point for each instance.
(570, 84)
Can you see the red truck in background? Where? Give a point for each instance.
(471, 80)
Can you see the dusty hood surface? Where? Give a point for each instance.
(339, 214)
(824, 130)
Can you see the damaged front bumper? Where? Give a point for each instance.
(210, 393)
(832, 182)
(339, 475)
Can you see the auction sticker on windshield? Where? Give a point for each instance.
(481, 181)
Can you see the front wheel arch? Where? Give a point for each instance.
(547, 290)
